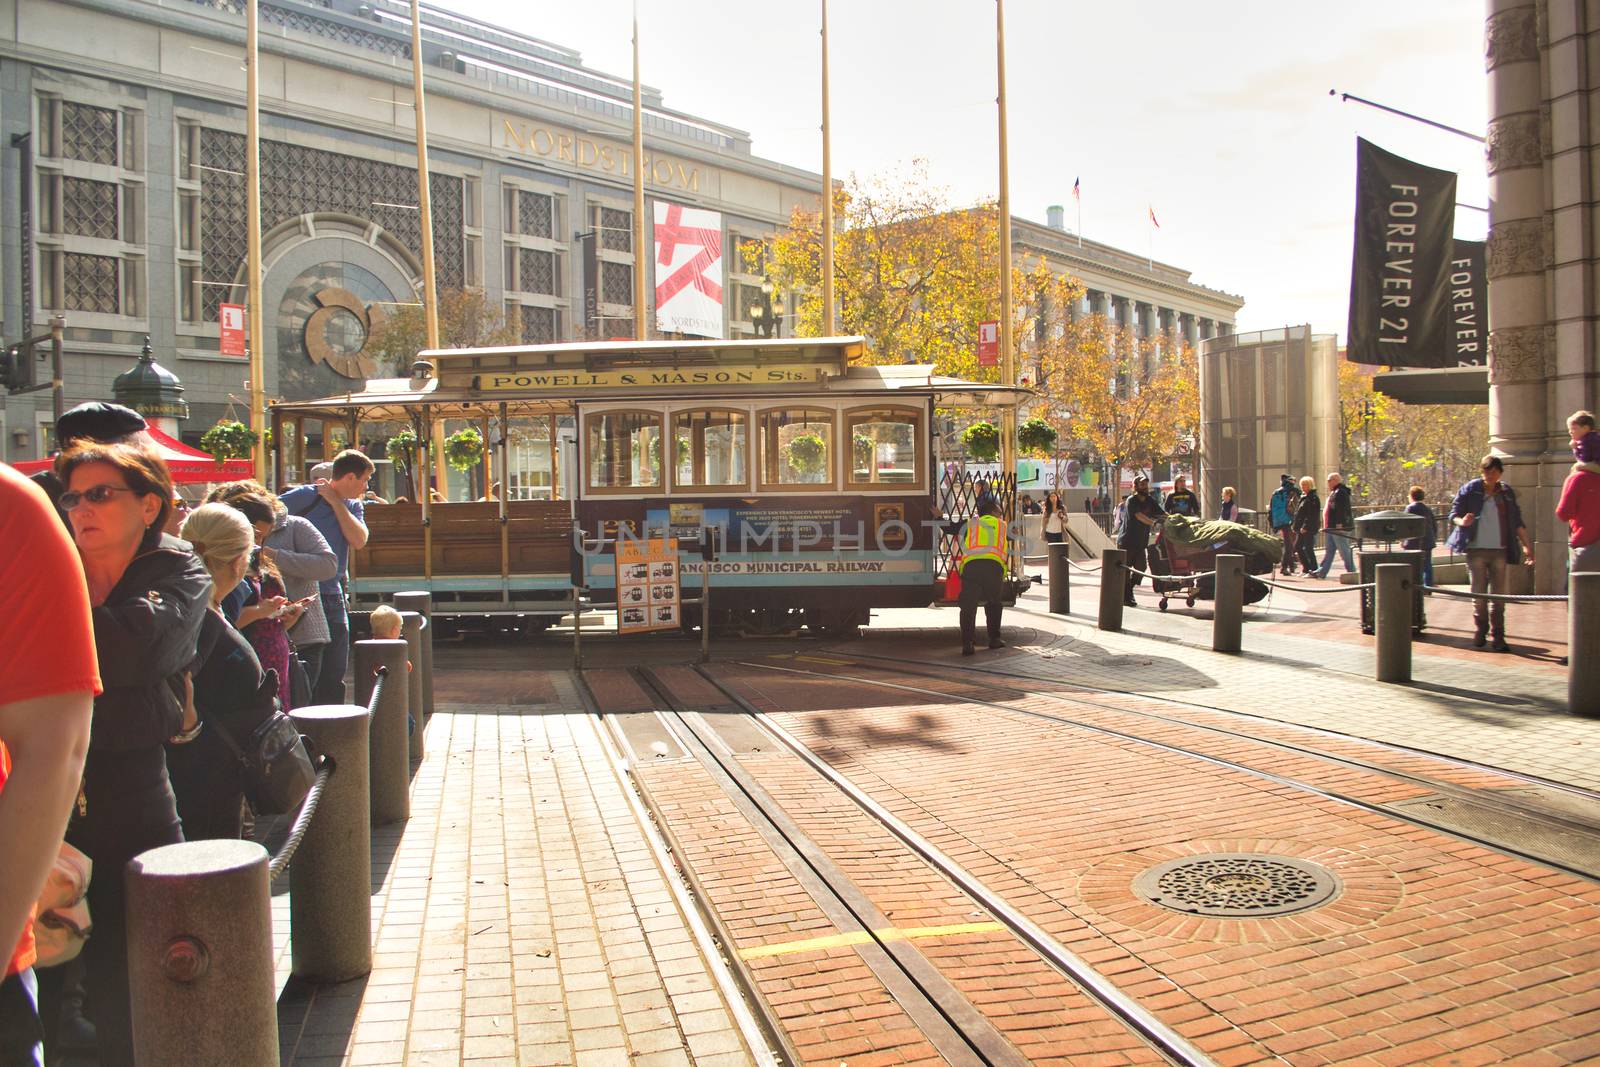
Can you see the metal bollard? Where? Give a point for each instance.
(1113, 587)
(1583, 643)
(411, 632)
(1227, 616)
(200, 966)
(1060, 579)
(1392, 621)
(330, 878)
(389, 752)
(422, 604)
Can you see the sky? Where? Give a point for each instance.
(1216, 116)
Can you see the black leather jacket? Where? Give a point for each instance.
(144, 634)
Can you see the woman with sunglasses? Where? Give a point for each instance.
(149, 595)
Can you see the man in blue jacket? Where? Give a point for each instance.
(1488, 529)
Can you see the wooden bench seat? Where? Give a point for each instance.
(466, 539)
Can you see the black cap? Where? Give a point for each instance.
(99, 421)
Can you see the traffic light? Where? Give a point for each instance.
(16, 369)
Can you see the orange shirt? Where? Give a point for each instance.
(45, 625)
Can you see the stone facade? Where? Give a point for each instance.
(1543, 359)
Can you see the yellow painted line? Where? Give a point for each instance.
(821, 659)
(861, 937)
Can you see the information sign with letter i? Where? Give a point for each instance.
(647, 584)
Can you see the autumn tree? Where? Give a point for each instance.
(467, 319)
(1131, 399)
(1387, 446)
(913, 273)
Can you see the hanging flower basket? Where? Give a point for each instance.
(464, 449)
(1036, 437)
(863, 449)
(229, 440)
(806, 453)
(401, 449)
(982, 441)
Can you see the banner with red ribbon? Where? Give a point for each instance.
(688, 247)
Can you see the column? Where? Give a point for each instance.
(1208, 329)
(1520, 337)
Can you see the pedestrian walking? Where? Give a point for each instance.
(1055, 518)
(1424, 543)
(333, 505)
(982, 566)
(1229, 512)
(1141, 515)
(1338, 524)
(1307, 521)
(1489, 530)
(1280, 512)
(48, 682)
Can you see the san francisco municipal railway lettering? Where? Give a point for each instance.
(1399, 266)
(577, 379)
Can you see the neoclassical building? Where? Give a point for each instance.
(124, 194)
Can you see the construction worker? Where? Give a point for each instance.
(983, 570)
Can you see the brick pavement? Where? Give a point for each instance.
(519, 917)
(1436, 950)
(1505, 710)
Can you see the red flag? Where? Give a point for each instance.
(1153, 221)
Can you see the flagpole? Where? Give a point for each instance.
(430, 291)
(258, 385)
(639, 308)
(827, 192)
(1078, 197)
(1008, 365)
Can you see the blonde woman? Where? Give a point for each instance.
(1307, 521)
(1230, 508)
(230, 693)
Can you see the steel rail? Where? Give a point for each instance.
(1219, 761)
(1460, 762)
(1171, 1044)
(951, 1023)
(1450, 789)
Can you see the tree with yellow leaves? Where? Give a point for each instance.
(1387, 446)
(1132, 399)
(467, 319)
(913, 274)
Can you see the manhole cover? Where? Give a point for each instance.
(1237, 885)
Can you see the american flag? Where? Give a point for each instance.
(1075, 195)
(1153, 221)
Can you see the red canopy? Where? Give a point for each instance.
(187, 464)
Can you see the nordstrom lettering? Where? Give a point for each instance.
(586, 153)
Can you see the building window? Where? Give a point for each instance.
(708, 449)
(190, 305)
(796, 447)
(472, 202)
(538, 325)
(616, 229)
(624, 449)
(91, 283)
(535, 215)
(884, 446)
(536, 271)
(189, 221)
(88, 208)
(88, 133)
(188, 150)
(616, 283)
(473, 262)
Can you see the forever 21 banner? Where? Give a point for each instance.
(1400, 312)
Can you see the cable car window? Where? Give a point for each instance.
(884, 446)
(797, 447)
(624, 449)
(708, 448)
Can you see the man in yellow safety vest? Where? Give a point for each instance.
(983, 571)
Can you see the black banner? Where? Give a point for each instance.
(591, 280)
(24, 146)
(1469, 305)
(1400, 277)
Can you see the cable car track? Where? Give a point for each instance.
(948, 1020)
(1477, 797)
